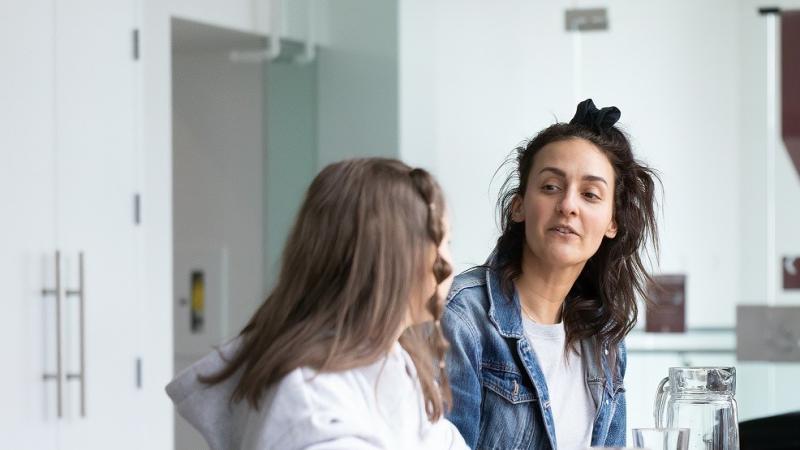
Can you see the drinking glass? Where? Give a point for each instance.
(661, 438)
(615, 448)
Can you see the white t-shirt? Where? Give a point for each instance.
(570, 403)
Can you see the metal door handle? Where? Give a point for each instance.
(80, 293)
(56, 292)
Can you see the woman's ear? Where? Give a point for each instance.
(611, 232)
(517, 211)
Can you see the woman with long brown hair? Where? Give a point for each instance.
(537, 358)
(346, 352)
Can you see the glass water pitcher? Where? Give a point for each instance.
(701, 399)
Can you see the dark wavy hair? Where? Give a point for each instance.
(353, 262)
(602, 302)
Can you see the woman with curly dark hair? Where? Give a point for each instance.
(537, 358)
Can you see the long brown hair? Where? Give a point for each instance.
(602, 303)
(353, 262)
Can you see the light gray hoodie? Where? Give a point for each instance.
(379, 406)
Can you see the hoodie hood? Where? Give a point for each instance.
(208, 408)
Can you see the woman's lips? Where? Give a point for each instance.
(564, 231)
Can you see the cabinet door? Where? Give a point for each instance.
(97, 177)
(28, 415)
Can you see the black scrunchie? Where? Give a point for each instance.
(600, 120)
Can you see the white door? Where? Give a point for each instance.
(29, 410)
(97, 167)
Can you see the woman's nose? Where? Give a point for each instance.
(568, 204)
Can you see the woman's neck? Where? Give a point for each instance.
(543, 288)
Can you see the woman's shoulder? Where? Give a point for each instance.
(297, 414)
(340, 390)
(309, 388)
(469, 282)
(307, 406)
(468, 302)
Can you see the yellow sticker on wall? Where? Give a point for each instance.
(198, 301)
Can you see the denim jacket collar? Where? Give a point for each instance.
(504, 314)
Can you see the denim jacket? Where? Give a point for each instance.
(500, 398)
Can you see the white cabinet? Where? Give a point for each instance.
(96, 184)
(27, 224)
(68, 178)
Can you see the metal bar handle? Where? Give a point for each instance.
(80, 293)
(48, 376)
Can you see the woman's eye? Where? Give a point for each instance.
(591, 196)
(549, 188)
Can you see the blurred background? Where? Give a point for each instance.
(154, 154)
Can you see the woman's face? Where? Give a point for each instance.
(568, 204)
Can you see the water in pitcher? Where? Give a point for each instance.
(701, 399)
